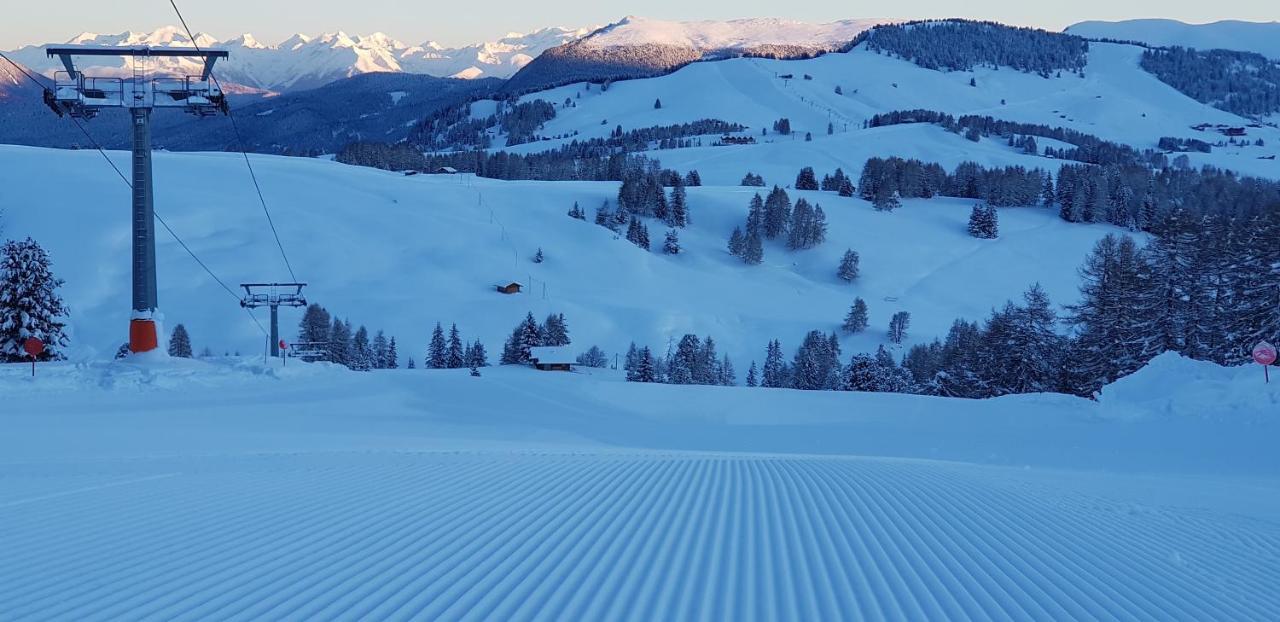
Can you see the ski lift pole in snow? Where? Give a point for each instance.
(83, 97)
(1264, 354)
(273, 296)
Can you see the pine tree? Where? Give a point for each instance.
(751, 375)
(848, 270)
(437, 351)
(671, 245)
(982, 222)
(777, 213)
(538, 256)
(1112, 339)
(846, 187)
(314, 328)
(393, 356)
(737, 244)
(646, 367)
(774, 371)
(678, 206)
(806, 180)
(657, 104)
(380, 348)
(755, 215)
(898, 326)
(631, 362)
(340, 343)
(361, 352)
(554, 331)
(726, 375)
(477, 356)
(683, 367)
(180, 342)
(576, 212)
(454, 356)
(856, 320)
(29, 303)
(693, 178)
(753, 250)
(409, 363)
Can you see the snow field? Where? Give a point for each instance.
(400, 253)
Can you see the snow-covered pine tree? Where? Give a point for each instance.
(1110, 338)
(845, 189)
(773, 374)
(751, 375)
(898, 325)
(737, 244)
(657, 104)
(538, 257)
(856, 320)
(409, 364)
(361, 352)
(727, 376)
(380, 350)
(29, 302)
(683, 366)
(340, 342)
(180, 342)
(631, 362)
(982, 222)
(454, 357)
(554, 331)
(314, 326)
(437, 351)
(671, 245)
(478, 356)
(755, 215)
(693, 179)
(806, 179)
(646, 367)
(753, 250)
(848, 269)
(393, 355)
(678, 206)
(777, 213)
(529, 337)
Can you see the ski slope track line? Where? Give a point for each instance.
(617, 535)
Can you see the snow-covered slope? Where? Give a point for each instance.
(1260, 37)
(400, 253)
(303, 62)
(228, 490)
(1116, 100)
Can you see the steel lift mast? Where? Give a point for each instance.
(276, 295)
(84, 97)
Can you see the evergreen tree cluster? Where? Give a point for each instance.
(983, 222)
(961, 45)
(752, 180)
(593, 357)
(808, 226)
(1245, 83)
(337, 341)
(643, 194)
(29, 302)
(782, 126)
(453, 352)
(1087, 148)
(529, 334)
(390, 157)
(816, 366)
(838, 182)
(884, 179)
(1171, 143)
(692, 361)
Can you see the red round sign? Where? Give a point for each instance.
(33, 346)
(1264, 353)
(283, 345)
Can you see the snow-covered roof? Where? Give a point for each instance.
(551, 355)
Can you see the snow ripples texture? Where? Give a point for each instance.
(578, 536)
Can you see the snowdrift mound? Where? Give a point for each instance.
(1172, 385)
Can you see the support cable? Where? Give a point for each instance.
(240, 143)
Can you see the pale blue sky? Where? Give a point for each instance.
(456, 23)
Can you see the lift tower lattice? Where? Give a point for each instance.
(83, 97)
(276, 295)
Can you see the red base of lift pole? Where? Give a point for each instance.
(142, 336)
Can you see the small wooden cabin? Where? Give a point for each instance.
(445, 170)
(550, 358)
(509, 288)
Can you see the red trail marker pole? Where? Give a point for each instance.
(1264, 354)
(34, 347)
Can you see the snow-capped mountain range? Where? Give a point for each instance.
(1260, 37)
(302, 61)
